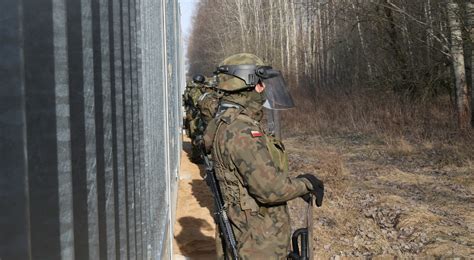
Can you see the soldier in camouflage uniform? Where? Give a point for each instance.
(209, 101)
(252, 166)
(207, 105)
(193, 91)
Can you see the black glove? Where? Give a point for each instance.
(318, 188)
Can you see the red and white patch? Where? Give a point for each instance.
(256, 133)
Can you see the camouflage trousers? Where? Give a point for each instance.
(259, 235)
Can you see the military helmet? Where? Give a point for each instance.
(231, 83)
(198, 78)
(244, 71)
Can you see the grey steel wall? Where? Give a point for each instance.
(89, 128)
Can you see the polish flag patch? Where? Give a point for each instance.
(256, 133)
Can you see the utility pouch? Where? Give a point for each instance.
(247, 203)
(277, 151)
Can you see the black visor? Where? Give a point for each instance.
(276, 92)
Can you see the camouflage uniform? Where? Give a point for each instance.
(190, 98)
(193, 122)
(208, 103)
(252, 170)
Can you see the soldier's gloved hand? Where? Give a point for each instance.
(317, 190)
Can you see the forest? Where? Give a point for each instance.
(381, 66)
(383, 93)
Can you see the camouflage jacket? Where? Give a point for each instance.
(207, 104)
(191, 94)
(251, 166)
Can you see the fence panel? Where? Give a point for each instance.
(90, 124)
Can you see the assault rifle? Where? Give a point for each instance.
(304, 236)
(220, 215)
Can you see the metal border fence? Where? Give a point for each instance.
(90, 125)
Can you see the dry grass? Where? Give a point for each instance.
(387, 199)
(374, 112)
(398, 175)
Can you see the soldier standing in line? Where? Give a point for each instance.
(208, 102)
(207, 105)
(190, 96)
(193, 91)
(252, 166)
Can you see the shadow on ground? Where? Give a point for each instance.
(198, 247)
(201, 192)
(195, 227)
(192, 154)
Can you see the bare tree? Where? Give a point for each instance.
(457, 54)
(400, 46)
(470, 26)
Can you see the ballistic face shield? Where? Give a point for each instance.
(276, 92)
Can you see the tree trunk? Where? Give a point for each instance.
(294, 44)
(280, 25)
(272, 37)
(306, 48)
(287, 35)
(242, 21)
(430, 31)
(457, 53)
(394, 44)
(362, 41)
(321, 47)
(470, 23)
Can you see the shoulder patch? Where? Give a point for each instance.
(256, 133)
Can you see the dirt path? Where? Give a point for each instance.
(194, 227)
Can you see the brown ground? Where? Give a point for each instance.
(194, 227)
(384, 199)
(389, 198)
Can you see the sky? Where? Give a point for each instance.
(187, 12)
